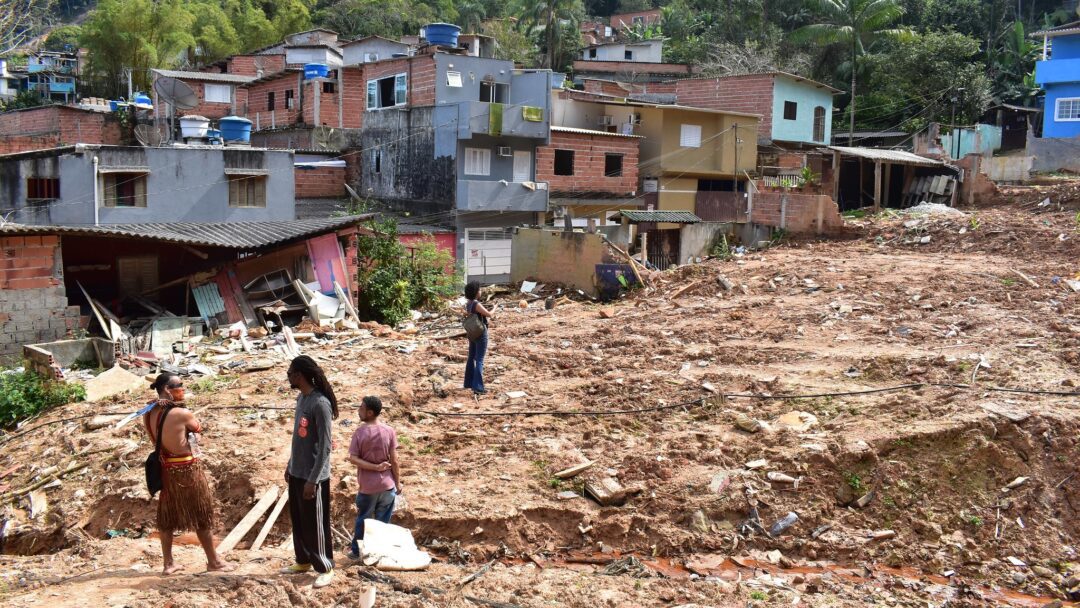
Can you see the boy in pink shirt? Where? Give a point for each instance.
(373, 450)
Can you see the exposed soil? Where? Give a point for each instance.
(878, 309)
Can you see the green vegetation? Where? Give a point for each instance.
(23, 394)
(972, 520)
(722, 249)
(208, 384)
(397, 279)
(854, 481)
(758, 596)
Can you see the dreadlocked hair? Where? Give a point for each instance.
(310, 370)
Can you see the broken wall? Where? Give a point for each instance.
(1054, 154)
(398, 164)
(556, 256)
(697, 240)
(33, 302)
(799, 213)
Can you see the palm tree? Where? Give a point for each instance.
(856, 24)
(558, 20)
(471, 14)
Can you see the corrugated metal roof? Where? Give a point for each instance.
(1061, 30)
(206, 76)
(592, 132)
(888, 156)
(670, 217)
(229, 235)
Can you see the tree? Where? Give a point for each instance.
(20, 20)
(63, 38)
(634, 6)
(555, 22)
(387, 18)
(510, 43)
(24, 99)
(855, 24)
(471, 15)
(213, 32)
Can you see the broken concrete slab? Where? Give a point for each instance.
(607, 491)
(115, 381)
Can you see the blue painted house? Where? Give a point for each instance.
(1059, 75)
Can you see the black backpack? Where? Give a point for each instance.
(153, 461)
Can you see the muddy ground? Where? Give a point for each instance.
(900, 494)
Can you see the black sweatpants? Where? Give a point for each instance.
(312, 539)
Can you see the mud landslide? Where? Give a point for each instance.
(715, 407)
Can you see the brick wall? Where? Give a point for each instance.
(52, 126)
(33, 303)
(215, 110)
(248, 65)
(606, 87)
(798, 213)
(353, 97)
(632, 67)
(421, 71)
(258, 101)
(751, 93)
(323, 182)
(589, 152)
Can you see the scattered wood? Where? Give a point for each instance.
(574, 470)
(270, 521)
(490, 603)
(248, 521)
(475, 575)
(47, 479)
(633, 263)
(684, 289)
(39, 503)
(346, 301)
(1026, 278)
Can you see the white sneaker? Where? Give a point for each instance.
(323, 579)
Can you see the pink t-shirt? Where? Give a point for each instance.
(373, 443)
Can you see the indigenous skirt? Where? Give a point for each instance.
(186, 502)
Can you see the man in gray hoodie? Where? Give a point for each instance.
(308, 471)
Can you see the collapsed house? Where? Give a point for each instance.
(146, 286)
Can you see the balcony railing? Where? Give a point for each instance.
(1057, 70)
(482, 195)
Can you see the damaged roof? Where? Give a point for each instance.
(671, 217)
(888, 156)
(228, 235)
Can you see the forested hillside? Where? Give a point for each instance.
(908, 61)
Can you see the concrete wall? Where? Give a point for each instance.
(717, 154)
(798, 213)
(1054, 154)
(555, 256)
(414, 175)
(354, 53)
(808, 97)
(697, 240)
(183, 185)
(651, 51)
(33, 303)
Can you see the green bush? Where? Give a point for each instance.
(27, 393)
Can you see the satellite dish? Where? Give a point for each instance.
(150, 136)
(176, 93)
(327, 138)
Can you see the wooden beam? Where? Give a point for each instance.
(270, 521)
(887, 185)
(877, 185)
(248, 522)
(836, 177)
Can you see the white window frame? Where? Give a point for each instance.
(478, 161)
(401, 92)
(689, 136)
(1073, 101)
(218, 88)
(453, 79)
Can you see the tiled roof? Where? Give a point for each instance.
(229, 235)
(671, 217)
(206, 76)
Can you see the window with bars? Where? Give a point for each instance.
(247, 191)
(1068, 109)
(42, 188)
(124, 189)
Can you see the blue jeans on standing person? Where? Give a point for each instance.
(474, 367)
(371, 506)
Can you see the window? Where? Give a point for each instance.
(247, 190)
(613, 165)
(329, 87)
(124, 189)
(690, 136)
(592, 53)
(494, 92)
(387, 92)
(376, 160)
(564, 162)
(289, 101)
(477, 161)
(453, 79)
(1068, 109)
(217, 93)
(42, 188)
(819, 123)
(791, 110)
(270, 101)
(136, 274)
(628, 55)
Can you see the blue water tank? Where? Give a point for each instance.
(442, 34)
(235, 128)
(314, 71)
(143, 99)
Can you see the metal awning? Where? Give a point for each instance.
(669, 217)
(897, 157)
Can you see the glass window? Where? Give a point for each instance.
(217, 93)
(1068, 109)
(690, 136)
(819, 123)
(387, 92)
(453, 79)
(477, 161)
(494, 92)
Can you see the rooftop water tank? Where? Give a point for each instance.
(235, 129)
(194, 126)
(315, 71)
(142, 99)
(442, 34)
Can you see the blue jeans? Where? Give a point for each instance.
(474, 367)
(371, 506)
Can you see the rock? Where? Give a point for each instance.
(845, 495)
(607, 313)
(1019, 578)
(1043, 571)
(725, 283)
(699, 522)
(746, 423)
(567, 495)
(523, 304)
(882, 534)
(864, 500)
(607, 492)
(757, 464)
(927, 528)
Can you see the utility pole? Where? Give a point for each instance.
(952, 124)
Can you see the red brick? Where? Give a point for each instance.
(33, 283)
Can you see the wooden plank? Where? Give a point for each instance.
(97, 313)
(877, 185)
(270, 521)
(248, 522)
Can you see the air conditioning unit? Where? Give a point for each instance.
(606, 121)
(505, 151)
